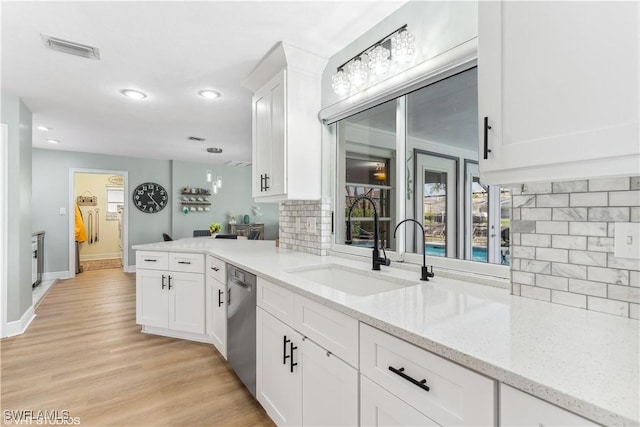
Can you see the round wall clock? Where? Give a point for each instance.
(150, 197)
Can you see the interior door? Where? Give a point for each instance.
(436, 202)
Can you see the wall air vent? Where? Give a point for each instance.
(238, 163)
(70, 47)
(195, 139)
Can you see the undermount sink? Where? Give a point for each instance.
(350, 280)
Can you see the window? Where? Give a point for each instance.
(417, 157)
(115, 201)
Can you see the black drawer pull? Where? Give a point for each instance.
(163, 284)
(219, 297)
(184, 262)
(215, 268)
(486, 138)
(284, 350)
(422, 383)
(150, 260)
(292, 347)
(169, 282)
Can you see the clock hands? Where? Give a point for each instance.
(152, 199)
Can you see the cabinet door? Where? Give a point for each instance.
(277, 177)
(329, 388)
(378, 407)
(152, 298)
(217, 314)
(187, 302)
(278, 389)
(261, 140)
(558, 83)
(521, 409)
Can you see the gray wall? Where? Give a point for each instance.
(18, 119)
(234, 198)
(51, 192)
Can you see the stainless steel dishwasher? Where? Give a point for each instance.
(241, 325)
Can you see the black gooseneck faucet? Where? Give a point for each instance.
(377, 260)
(425, 273)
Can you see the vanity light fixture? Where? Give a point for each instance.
(133, 94)
(53, 141)
(209, 94)
(397, 47)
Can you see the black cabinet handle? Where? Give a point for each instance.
(284, 350)
(169, 282)
(261, 182)
(422, 383)
(150, 260)
(184, 262)
(486, 138)
(219, 297)
(228, 297)
(266, 182)
(163, 284)
(215, 268)
(291, 348)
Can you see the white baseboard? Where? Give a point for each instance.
(18, 327)
(56, 275)
(97, 257)
(130, 269)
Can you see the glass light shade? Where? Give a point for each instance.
(219, 181)
(208, 176)
(403, 46)
(214, 188)
(379, 60)
(340, 83)
(357, 72)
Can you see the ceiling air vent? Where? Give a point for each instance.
(70, 47)
(195, 138)
(238, 163)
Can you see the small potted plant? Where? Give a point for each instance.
(214, 228)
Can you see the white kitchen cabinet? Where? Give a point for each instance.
(380, 408)
(558, 84)
(445, 392)
(278, 380)
(216, 304)
(170, 301)
(521, 409)
(286, 135)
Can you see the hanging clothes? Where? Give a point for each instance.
(81, 233)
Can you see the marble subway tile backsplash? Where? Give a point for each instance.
(293, 233)
(563, 246)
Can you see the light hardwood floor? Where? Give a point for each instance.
(84, 353)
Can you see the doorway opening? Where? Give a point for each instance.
(98, 232)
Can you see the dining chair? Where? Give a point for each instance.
(226, 236)
(201, 233)
(254, 235)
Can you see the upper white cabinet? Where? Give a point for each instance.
(558, 86)
(286, 133)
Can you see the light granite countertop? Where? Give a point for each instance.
(583, 361)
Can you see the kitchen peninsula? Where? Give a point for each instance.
(584, 362)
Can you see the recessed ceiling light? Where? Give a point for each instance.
(44, 128)
(133, 94)
(209, 94)
(53, 141)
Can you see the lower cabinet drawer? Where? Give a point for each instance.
(378, 407)
(333, 330)
(443, 391)
(152, 260)
(275, 300)
(188, 263)
(217, 269)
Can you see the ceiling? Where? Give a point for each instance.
(170, 51)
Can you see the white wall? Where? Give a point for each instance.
(18, 119)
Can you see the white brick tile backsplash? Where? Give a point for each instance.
(515, 289)
(624, 293)
(552, 200)
(552, 282)
(608, 275)
(524, 252)
(550, 254)
(600, 244)
(634, 279)
(570, 214)
(535, 266)
(624, 198)
(569, 242)
(515, 239)
(537, 188)
(535, 292)
(609, 184)
(635, 214)
(618, 308)
(539, 240)
(585, 287)
(611, 229)
(523, 201)
(567, 298)
(535, 214)
(597, 259)
(589, 199)
(552, 227)
(570, 186)
(634, 311)
(609, 214)
(635, 182)
(523, 226)
(515, 214)
(623, 263)
(523, 278)
(588, 229)
(569, 270)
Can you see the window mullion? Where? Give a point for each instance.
(401, 172)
